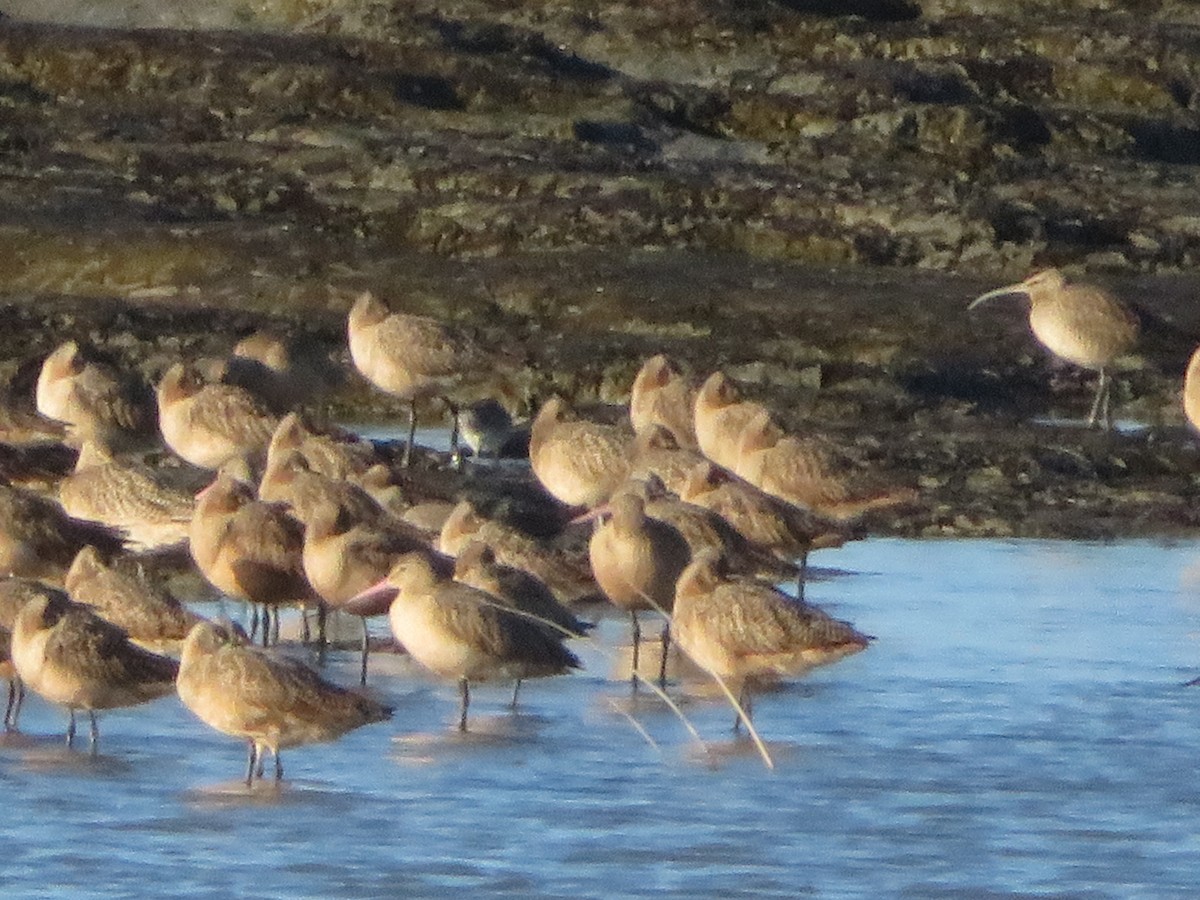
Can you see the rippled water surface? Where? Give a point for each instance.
(1018, 727)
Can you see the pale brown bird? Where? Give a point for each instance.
(208, 424)
(411, 357)
(331, 452)
(566, 573)
(720, 416)
(1080, 323)
(1191, 391)
(14, 594)
(461, 633)
(42, 464)
(130, 497)
(580, 462)
(270, 700)
(657, 453)
(21, 425)
(636, 560)
(39, 540)
(663, 396)
(285, 372)
(746, 632)
(96, 401)
(345, 555)
(813, 473)
(147, 613)
(249, 549)
(67, 654)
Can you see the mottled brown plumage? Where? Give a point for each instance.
(1191, 391)
(286, 373)
(39, 540)
(42, 464)
(580, 462)
(208, 424)
(747, 632)
(1080, 323)
(657, 453)
(67, 654)
(146, 612)
(663, 396)
(270, 700)
(14, 594)
(720, 415)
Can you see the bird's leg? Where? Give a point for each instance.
(93, 732)
(266, 626)
(275, 628)
(637, 640)
(803, 575)
(666, 649)
(322, 628)
(366, 645)
(746, 702)
(250, 764)
(278, 765)
(253, 621)
(456, 458)
(516, 691)
(71, 728)
(464, 691)
(412, 432)
(9, 717)
(1100, 404)
(20, 702)
(305, 633)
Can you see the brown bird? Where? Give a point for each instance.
(42, 464)
(344, 556)
(567, 574)
(411, 357)
(663, 396)
(461, 633)
(656, 453)
(96, 401)
(208, 424)
(70, 656)
(285, 372)
(331, 452)
(636, 560)
(132, 498)
(1079, 323)
(720, 416)
(21, 425)
(14, 594)
(1191, 391)
(151, 617)
(249, 549)
(270, 700)
(746, 632)
(39, 540)
(812, 472)
(579, 461)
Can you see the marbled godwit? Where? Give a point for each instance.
(812, 472)
(271, 701)
(764, 520)
(126, 496)
(344, 556)
(1079, 323)
(411, 357)
(289, 479)
(42, 464)
(39, 540)
(96, 401)
(663, 396)
(331, 452)
(21, 425)
(720, 415)
(580, 462)
(636, 560)
(461, 633)
(249, 549)
(657, 453)
(567, 574)
(1191, 391)
(286, 372)
(704, 528)
(14, 594)
(150, 616)
(208, 424)
(488, 429)
(70, 656)
(746, 632)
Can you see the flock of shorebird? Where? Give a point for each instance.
(694, 506)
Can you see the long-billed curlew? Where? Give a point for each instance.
(459, 632)
(745, 631)
(636, 560)
(663, 396)
(1080, 323)
(577, 460)
(208, 424)
(270, 700)
(411, 357)
(67, 654)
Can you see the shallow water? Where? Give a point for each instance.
(1018, 726)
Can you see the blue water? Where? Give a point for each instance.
(1018, 728)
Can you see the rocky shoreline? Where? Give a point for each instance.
(804, 199)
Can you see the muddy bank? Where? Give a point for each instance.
(806, 199)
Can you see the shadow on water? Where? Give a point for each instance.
(486, 733)
(265, 792)
(50, 753)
